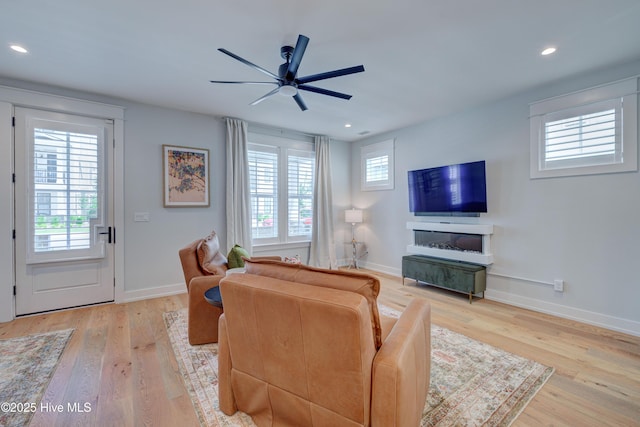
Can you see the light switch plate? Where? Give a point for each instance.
(141, 216)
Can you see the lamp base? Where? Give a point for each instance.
(354, 255)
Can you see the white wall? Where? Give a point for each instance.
(584, 230)
(151, 248)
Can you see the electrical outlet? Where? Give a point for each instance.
(558, 285)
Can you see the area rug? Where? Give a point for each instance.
(472, 383)
(26, 367)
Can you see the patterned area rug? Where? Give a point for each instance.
(472, 383)
(26, 367)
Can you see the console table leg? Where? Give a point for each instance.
(470, 297)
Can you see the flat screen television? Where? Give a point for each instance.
(453, 189)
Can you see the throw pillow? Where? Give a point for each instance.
(210, 258)
(235, 256)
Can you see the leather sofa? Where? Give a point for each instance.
(302, 346)
(203, 265)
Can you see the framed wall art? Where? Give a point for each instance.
(185, 176)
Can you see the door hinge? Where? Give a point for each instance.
(14, 234)
(13, 121)
(14, 290)
(13, 178)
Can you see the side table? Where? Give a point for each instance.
(213, 296)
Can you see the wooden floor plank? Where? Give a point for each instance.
(116, 387)
(120, 359)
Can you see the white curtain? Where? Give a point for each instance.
(322, 252)
(238, 192)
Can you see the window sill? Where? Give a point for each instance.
(280, 246)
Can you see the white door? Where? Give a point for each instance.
(64, 221)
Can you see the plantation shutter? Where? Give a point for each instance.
(588, 137)
(263, 181)
(300, 166)
(587, 132)
(377, 169)
(65, 206)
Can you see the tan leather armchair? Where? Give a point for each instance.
(204, 266)
(202, 317)
(301, 346)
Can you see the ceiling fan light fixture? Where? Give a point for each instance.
(288, 90)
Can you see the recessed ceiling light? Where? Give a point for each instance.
(18, 48)
(347, 125)
(548, 51)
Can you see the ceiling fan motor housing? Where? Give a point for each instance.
(286, 52)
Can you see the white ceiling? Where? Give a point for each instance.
(423, 58)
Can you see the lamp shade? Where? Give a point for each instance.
(353, 216)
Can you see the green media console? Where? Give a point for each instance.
(454, 275)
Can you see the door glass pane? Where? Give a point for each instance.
(65, 189)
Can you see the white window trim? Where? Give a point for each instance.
(380, 149)
(93, 128)
(626, 89)
(283, 144)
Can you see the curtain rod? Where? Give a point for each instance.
(273, 128)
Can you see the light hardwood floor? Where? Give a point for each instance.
(120, 361)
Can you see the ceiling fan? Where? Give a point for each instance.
(287, 82)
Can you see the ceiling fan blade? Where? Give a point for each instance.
(330, 74)
(244, 83)
(296, 58)
(300, 102)
(250, 64)
(262, 98)
(324, 91)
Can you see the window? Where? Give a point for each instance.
(46, 168)
(587, 132)
(65, 174)
(377, 166)
(43, 204)
(281, 175)
(300, 165)
(263, 181)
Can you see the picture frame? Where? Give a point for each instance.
(185, 172)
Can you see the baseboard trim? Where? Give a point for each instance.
(626, 326)
(380, 268)
(160, 291)
(613, 323)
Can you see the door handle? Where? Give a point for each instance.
(109, 233)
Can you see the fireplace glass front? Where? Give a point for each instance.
(448, 241)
